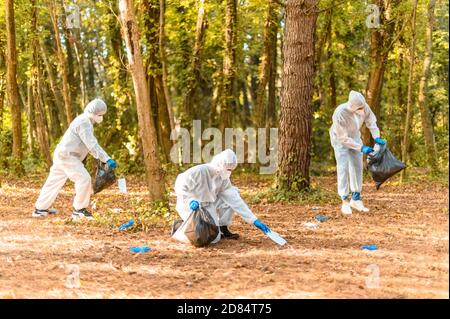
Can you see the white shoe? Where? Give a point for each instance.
(358, 205)
(346, 208)
(39, 213)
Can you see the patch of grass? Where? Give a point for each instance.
(313, 196)
(146, 215)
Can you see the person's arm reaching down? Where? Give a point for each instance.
(230, 195)
(86, 133)
(371, 122)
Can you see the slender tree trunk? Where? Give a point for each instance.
(409, 106)
(147, 131)
(62, 69)
(227, 99)
(427, 124)
(297, 88)
(11, 87)
(264, 67)
(162, 50)
(189, 97)
(38, 107)
(80, 62)
(154, 76)
(57, 97)
(53, 111)
(380, 46)
(271, 115)
(31, 128)
(2, 87)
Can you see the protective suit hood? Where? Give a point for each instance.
(355, 101)
(224, 163)
(95, 110)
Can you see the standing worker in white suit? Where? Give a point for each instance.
(345, 136)
(209, 185)
(77, 142)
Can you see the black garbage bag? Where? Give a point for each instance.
(383, 164)
(104, 177)
(200, 228)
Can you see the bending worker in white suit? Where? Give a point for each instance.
(209, 185)
(77, 142)
(345, 136)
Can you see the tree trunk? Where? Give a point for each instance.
(193, 83)
(264, 67)
(427, 124)
(57, 97)
(38, 107)
(271, 115)
(162, 50)
(147, 131)
(154, 76)
(62, 69)
(380, 46)
(409, 106)
(80, 62)
(296, 95)
(11, 87)
(2, 87)
(227, 98)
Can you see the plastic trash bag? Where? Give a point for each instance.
(199, 229)
(383, 164)
(104, 177)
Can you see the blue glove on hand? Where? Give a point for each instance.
(112, 163)
(380, 141)
(366, 149)
(263, 227)
(194, 205)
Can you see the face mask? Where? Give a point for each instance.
(225, 174)
(360, 112)
(97, 118)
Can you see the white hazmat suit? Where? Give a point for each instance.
(77, 142)
(345, 137)
(210, 185)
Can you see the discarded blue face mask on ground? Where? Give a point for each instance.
(369, 247)
(127, 225)
(321, 218)
(138, 249)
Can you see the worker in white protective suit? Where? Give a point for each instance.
(209, 185)
(345, 136)
(77, 142)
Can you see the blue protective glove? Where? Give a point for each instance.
(112, 163)
(194, 205)
(366, 149)
(380, 141)
(263, 227)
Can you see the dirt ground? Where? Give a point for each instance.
(409, 224)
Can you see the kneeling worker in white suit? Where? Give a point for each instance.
(209, 185)
(77, 142)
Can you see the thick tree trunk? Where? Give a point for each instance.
(427, 124)
(296, 94)
(62, 69)
(409, 106)
(11, 87)
(228, 96)
(38, 107)
(147, 131)
(192, 86)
